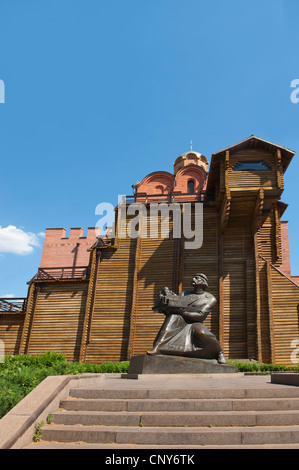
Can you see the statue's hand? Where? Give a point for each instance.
(194, 316)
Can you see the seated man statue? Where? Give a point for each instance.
(183, 332)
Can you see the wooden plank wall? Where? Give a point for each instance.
(58, 319)
(267, 238)
(109, 330)
(250, 179)
(11, 326)
(205, 260)
(285, 301)
(154, 270)
(125, 325)
(239, 323)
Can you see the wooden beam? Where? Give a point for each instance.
(277, 228)
(29, 310)
(257, 213)
(37, 290)
(225, 210)
(279, 170)
(226, 169)
(88, 315)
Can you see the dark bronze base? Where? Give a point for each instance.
(162, 364)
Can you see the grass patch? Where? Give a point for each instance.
(21, 374)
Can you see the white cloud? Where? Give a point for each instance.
(15, 240)
(7, 296)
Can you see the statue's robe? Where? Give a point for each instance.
(189, 336)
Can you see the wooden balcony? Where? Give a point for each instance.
(13, 305)
(69, 272)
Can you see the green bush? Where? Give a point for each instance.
(21, 374)
(260, 367)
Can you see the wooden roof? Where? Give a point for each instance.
(250, 142)
(253, 141)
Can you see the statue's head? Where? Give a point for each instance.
(200, 280)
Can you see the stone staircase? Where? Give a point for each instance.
(181, 418)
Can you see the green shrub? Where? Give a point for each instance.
(21, 374)
(260, 367)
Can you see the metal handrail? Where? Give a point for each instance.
(171, 197)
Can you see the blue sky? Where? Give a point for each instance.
(98, 94)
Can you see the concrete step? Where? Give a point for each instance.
(199, 393)
(82, 445)
(172, 436)
(153, 416)
(175, 404)
(178, 419)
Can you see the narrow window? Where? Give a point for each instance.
(190, 187)
(259, 165)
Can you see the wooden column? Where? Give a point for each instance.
(37, 289)
(29, 309)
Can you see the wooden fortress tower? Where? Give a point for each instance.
(92, 298)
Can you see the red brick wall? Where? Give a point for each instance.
(286, 263)
(285, 267)
(62, 251)
(187, 173)
(165, 183)
(156, 183)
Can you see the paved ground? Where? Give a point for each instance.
(182, 381)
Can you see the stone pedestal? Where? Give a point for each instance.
(162, 364)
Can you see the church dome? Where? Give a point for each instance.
(190, 158)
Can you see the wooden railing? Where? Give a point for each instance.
(14, 305)
(68, 272)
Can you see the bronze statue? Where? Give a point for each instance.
(183, 332)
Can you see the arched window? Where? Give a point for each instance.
(159, 189)
(190, 187)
